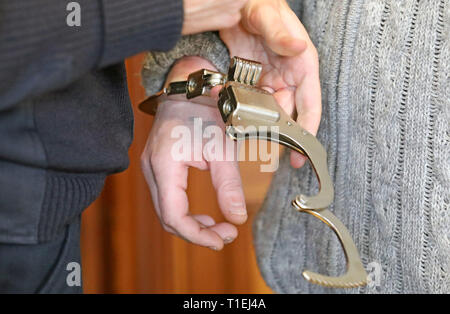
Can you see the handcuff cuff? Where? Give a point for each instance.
(241, 104)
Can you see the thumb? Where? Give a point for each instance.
(228, 185)
(278, 26)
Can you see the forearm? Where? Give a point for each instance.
(40, 52)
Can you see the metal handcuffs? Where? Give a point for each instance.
(241, 104)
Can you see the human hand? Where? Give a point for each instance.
(271, 33)
(167, 176)
(208, 15)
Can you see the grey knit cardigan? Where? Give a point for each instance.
(385, 75)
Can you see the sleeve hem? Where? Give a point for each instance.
(205, 45)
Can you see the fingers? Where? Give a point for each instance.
(230, 195)
(173, 208)
(210, 15)
(167, 180)
(226, 231)
(285, 98)
(309, 105)
(309, 102)
(204, 220)
(277, 24)
(297, 160)
(167, 177)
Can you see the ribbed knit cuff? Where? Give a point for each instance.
(132, 26)
(66, 196)
(206, 45)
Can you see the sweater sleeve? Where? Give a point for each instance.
(207, 45)
(41, 52)
(158, 64)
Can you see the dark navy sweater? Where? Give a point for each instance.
(65, 117)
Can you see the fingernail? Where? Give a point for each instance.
(228, 240)
(213, 248)
(239, 212)
(237, 208)
(237, 205)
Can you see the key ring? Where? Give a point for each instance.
(242, 104)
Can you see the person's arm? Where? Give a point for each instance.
(157, 65)
(40, 52)
(208, 46)
(269, 33)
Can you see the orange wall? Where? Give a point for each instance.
(125, 250)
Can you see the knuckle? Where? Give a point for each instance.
(254, 17)
(166, 228)
(144, 161)
(168, 219)
(257, 14)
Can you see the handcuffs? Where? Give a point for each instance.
(242, 104)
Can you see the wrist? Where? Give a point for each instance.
(185, 66)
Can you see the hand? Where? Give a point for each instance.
(271, 33)
(208, 15)
(167, 177)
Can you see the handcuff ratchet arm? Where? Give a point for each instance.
(242, 105)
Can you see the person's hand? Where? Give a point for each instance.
(167, 176)
(271, 33)
(208, 15)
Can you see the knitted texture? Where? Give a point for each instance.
(158, 64)
(65, 115)
(385, 73)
